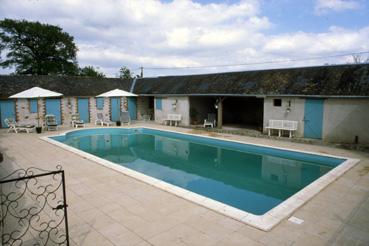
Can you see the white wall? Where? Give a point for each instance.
(346, 118)
(183, 108)
(280, 113)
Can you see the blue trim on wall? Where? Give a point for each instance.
(158, 103)
(100, 103)
(83, 109)
(7, 110)
(33, 108)
(115, 108)
(132, 107)
(313, 118)
(53, 107)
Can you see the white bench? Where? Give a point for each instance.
(173, 118)
(282, 125)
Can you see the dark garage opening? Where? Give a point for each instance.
(243, 112)
(200, 107)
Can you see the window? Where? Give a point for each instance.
(277, 102)
(33, 105)
(158, 104)
(100, 103)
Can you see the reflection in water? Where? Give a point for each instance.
(251, 182)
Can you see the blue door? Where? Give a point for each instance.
(115, 108)
(132, 102)
(313, 118)
(53, 107)
(83, 109)
(7, 110)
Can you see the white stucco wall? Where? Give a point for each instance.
(346, 118)
(183, 108)
(280, 113)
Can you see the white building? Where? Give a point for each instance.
(328, 102)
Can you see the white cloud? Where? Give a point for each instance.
(149, 33)
(322, 6)
(336, 40)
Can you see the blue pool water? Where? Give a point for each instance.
(251, 178)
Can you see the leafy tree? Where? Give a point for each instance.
(125, 73)
(90, 71)
(36, 48)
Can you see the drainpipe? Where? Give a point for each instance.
(133, 85)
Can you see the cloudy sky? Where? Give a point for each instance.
(200, 33)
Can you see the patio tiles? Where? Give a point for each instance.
(151, 229)
(251, 233)
(238, 239)
(109, 208)
(211, 220)
(119, 235)
(84, 234)
(127, 219)
(308, 239)
(182, 235)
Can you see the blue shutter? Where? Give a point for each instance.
(33, 105)
(52, 106)
(7, 110)
(100, 103)
(313, 118)
(115, 108)
(158, 103)
(83, 109)
(132, 107)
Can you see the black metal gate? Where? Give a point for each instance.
(33, 208)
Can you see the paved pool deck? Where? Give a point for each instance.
(109, 208)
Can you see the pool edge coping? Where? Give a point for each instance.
(263, 222)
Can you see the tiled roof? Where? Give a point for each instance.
(349, 80)
(340, 80)
(68, 86)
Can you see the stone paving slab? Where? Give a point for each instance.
(109, 208)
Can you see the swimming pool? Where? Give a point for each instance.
(238, 179)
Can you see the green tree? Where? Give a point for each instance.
(36, 48)
(90, 71)
(125, 73)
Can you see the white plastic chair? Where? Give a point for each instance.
(50, 122)
(100, 120)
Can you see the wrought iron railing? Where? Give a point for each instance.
(33, 208)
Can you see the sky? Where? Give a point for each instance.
(168, 36)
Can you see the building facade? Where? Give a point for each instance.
(328, 102)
